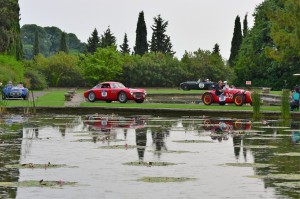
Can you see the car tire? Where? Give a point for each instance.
(239, 99)
(185, 87)
(92, 97)
(122, 97)
(139, 101)
(222, 103)
(207, 99)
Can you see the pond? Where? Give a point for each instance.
(144, 156)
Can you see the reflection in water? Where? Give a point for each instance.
(265, 143)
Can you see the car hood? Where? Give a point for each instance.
(136, 90)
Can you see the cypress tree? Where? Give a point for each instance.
(216, 50)
(63, 43)
(141, 44)
(10, 34)
(107, 39)
(36, 44)
(245, 26)
(125, 47)
(93, 42)
(236, 41)
(160, 42)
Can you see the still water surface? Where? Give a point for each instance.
(201, 148)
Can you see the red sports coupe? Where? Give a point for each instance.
(114, 91)
(236, 96)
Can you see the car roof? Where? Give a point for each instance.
(110, 82)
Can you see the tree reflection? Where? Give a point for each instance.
(141, 141)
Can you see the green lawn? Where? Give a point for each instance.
(56, 98)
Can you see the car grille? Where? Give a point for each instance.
(139, 95)
(15, 94)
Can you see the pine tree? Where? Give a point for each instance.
(63, 43)
(36, 44)
(107, 39)
(216, 50)
(245, 26)
(236, 41)
(93, 42)
(160, 42)
(141, 44)
(125, 47)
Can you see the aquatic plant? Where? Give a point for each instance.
(256, 102)
(285, 105)
(140, 163)
(193, 141)
(165, 179)
(34, 183)
(254, 165)
(3, 105)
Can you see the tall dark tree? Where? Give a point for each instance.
(236, 41)
(10, 35)
(216, 50)
(160, 41)
(36, 44)
(125, 47)
(63, 43)
(93, 42)
(141, 44)
(245, 26)
(107, 39)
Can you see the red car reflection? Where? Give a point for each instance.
(219, 125)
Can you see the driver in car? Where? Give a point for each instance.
(219, 88)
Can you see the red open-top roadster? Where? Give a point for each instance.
(236, 96)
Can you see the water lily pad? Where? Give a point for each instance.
(193, 141)
(288, 154)
(278, 176)
(149, 164)
(98, 140)
(171, 151)
(165, 179)
(263, 138)
(295, 185)
(274, 127)
(33, 183)
(254, 165)
(257, 146)
(37, 166)
(121, 147)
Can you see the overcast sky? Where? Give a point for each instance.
(193, 24)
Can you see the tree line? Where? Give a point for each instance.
(267, 54)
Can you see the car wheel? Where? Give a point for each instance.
(185, 87)
(207, 99)
(122, 97)
(108, 101)
(239, 100)
(222, 103)
(139, 101)
(26, 96)
(92, 97)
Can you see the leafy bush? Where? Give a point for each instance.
(35, 80)
(10, 69)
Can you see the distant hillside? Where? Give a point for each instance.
(49, 40)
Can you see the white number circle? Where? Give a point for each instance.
(201, 85)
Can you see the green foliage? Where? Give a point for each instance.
(160, 41)
(51, 37)
(236, 41)
(63, 43)
(36, 44)
(285, 104)
(107, 39)
(245, 26)
(256, 102)
(104, 65)
(36, 80)
(10, 42)
(203, 64)
(125, 47)
(141, 44)
(93, 42)
(10, 69)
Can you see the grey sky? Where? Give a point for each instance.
(193, 24)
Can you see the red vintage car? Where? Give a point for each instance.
(114, 91)
(236, 96)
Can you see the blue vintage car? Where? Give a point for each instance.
(15, 92)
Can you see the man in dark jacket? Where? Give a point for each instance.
(219, 88)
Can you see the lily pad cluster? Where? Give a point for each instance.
(36, 166)
(165, 179)
(149, 163)
(193, 141)
(34, 183)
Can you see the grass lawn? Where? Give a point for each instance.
(56, 98)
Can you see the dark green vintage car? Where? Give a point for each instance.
(197, 85)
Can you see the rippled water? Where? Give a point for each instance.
(200, 147)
